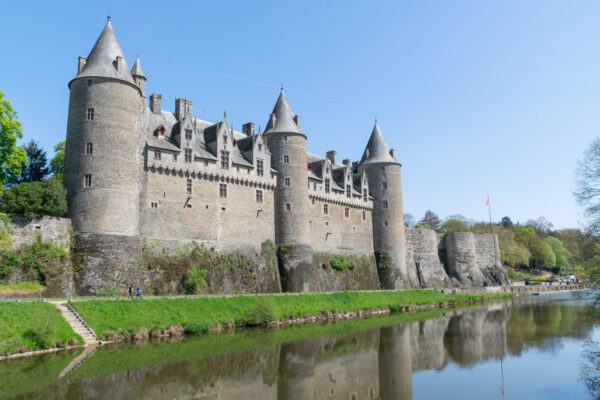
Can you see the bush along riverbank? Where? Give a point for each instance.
(36, 325)
(118, 320)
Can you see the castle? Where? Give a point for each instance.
(135, 173)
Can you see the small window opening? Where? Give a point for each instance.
(90, 114)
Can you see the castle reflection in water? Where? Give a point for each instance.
(376, 363)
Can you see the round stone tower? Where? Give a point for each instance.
(385, 185)
(102, 155)
(287, 143)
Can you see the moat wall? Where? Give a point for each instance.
(109, 263)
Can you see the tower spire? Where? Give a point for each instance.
(108, 16)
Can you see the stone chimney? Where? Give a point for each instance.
(183, 107)
(248, 129)
(346, 162)
(81, 64)
(155, 103)
(332, 156)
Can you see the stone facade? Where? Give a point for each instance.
(136, 173)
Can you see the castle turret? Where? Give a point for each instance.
(102, 155)
(287, 143)
(385, 185)
(138, 76)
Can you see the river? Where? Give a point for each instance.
(545, 347)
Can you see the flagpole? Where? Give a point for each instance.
(490, 212)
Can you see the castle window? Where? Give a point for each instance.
(286, 159)
(154, 204)
(259, 196)
(347, 212)
(188, 155)
(385, 204)
(157, 154)
(286, 182)
(224, 159)
(365, 197)
(188, 187)
(327, 186)
(188, 134)
(288, 207)
(364, 215)
(285, 138)
(314, 186)
(326, 209)
(260, 169)
(386, 224)
(89, 148)
(224, 139)
(90, 83)
(87, 180)
(259, 147)
(161, 131)
(222, 190)
(313, 201)
(348, 191)
(382, 169)
(384, 185)
(90, 114)
(175, 157)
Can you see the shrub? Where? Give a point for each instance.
(36, 199)
(35, 261)
(195, 280)
(261, 312)
(195, 329)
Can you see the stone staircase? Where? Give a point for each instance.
(77, 323)
(77, 361)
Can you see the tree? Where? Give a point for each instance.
(469, 222)
(541, 226)
(37, 164)
(431, 219)
(588, 186)
(12, 157)
(539, 253)
(453, 225)
(57, 164)
(409, 220)
(506, 222)
(562, 254)
(422, 226)
(36, 199)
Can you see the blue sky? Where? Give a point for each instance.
(477, 98)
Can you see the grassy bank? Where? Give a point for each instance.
(21, 289)
(31, 326)
(125, 317)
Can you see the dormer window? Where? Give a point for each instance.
(348, 191)
(365, 197)
(260, 147)
(188, 134)
(224, 139)
(260, 169)
(188, 155)
(161, 131)
(327, 186)
(225, 159)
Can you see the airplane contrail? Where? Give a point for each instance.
(274, 86)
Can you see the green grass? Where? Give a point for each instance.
(22, 287)
(35, 325)
(129, 317)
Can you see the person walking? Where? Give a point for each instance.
(130, 292)
(139, 292)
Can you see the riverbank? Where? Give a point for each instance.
(118, 320)
(31, 326)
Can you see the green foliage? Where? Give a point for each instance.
(57, 164)
(341, 263)
(263, 311)
(108, 292)
(540, 255)
(12, 157)
(36, 199)
(27, 287)
(6, 239)
(37, 164)
(35, 261)
(453, 225)
(562, 255)
(129, 317)
(422, 226)
(506, 222)
(195, 280)
(33, 326)
(550, 262)
(512, 253)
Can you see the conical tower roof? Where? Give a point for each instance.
(137, 69)
(284, 118)
(378, 150)
(102, 61)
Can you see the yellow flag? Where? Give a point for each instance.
(487, 202)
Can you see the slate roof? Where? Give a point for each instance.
(137, 68)
(102, 59)
(283, 121)
(378, 149)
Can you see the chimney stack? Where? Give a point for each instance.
(155, 103)
(248, 128)
(332, 156)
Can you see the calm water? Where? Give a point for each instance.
(542, 348)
